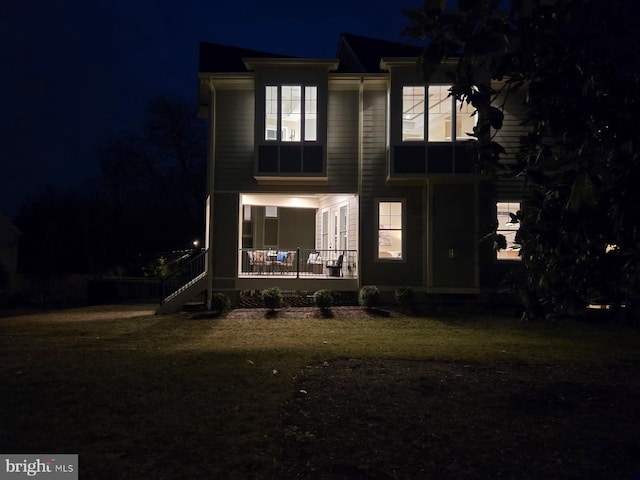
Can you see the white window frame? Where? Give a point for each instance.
(508, 229)
(308, 115)
(387, 246)
(457, 133)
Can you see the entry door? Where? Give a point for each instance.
(334, 228)
(454, 243)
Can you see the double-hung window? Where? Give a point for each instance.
(508, 226)
(430, 113)
(390, 227)
(291, 113)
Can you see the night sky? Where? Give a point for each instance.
(77, 72)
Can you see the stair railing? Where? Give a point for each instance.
(186, 273)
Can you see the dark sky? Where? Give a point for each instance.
(77, 72)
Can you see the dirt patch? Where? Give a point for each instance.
(380, 419)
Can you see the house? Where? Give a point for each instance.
(9, 237)
(342, 172)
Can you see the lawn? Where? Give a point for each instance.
(185, 396)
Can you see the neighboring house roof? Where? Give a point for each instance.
(360, 54)
(217, 58)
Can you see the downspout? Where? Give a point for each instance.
(211, 166)
(360, 172)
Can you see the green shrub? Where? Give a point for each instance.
(404, 297)
(369, 296)
(220, 302)
(323, 299)
(272, 298)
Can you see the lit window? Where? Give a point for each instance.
(412, 113)
(291, 110)
(390, 230)
(508, 226)
(441, 116)
(271, 113)
(310, 113)
(465, 121)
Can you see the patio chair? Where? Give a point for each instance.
(258, 260)
(286, 261)
(314, 263)
(334, 267)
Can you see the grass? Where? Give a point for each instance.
(144, 396)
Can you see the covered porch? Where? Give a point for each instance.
(294, 241)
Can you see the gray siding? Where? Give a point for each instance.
(342, 141)
(234, 137)
(225, 238)
(409, 271)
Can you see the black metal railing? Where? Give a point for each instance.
(184, 275)
(298, 262)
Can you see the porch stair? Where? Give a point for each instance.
(174, 302)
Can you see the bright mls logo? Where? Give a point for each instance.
(46, 466)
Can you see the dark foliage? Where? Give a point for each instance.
(148, 199)
(576, 60)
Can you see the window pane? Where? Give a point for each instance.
(390, 230)
(464, 120)
(508, 228)
(343, 227)
(310, 113)
(271, 113)
(325, 230)
(412, 113)
(291, 113)
(271, 212)
(439, 114)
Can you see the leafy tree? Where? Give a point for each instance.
(148, 199)
(577, 62)
(155, 180)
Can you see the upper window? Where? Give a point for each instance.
(291, 113)
(446, 119)
(390, 230)
(508, 226)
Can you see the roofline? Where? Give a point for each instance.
(328, 63)
(386, 63)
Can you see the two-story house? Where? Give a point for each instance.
(342, 172)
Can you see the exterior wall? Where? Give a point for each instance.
(390, 273)
(444, 216)
(224, 247)
(342, 141)
(234, 141)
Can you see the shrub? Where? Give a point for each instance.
(220, 302)
(272, 298)
(369, 296)
(323, 299)
(404, 297)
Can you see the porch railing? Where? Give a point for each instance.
(298, 262)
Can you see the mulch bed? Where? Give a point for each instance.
(340, 312)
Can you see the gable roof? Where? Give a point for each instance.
(217, 58)
(356, 54)
(360, 54)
